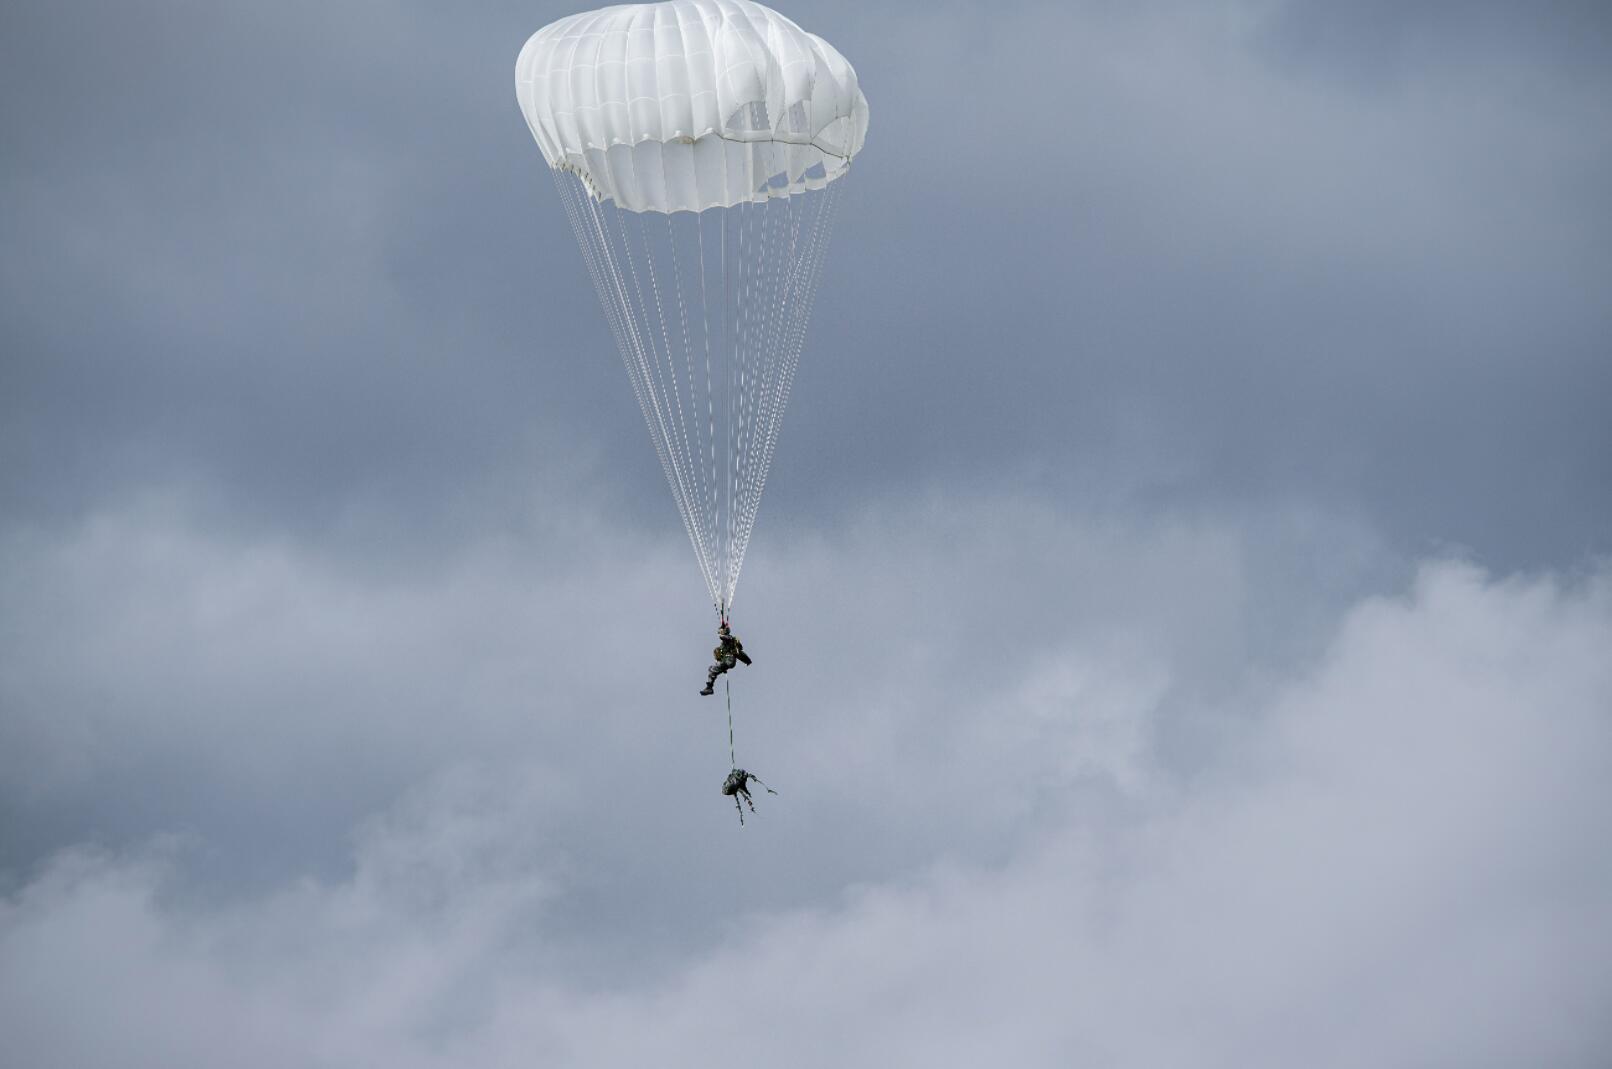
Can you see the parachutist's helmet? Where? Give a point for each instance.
(722, 628)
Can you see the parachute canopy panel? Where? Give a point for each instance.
(690, 104)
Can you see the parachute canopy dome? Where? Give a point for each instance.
(690, 104)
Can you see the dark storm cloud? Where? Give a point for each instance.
(307, 258)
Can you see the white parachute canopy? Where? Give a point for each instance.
(696, 144)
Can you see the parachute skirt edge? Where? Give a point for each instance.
(709, 172)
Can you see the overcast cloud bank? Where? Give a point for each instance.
(1179, 608)
(1392, 852)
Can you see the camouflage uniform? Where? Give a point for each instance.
(729, 651)
(736, 787)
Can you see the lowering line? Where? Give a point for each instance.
(738, 777)
(727, 690)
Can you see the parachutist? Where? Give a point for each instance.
(728, 652)
(736, 787)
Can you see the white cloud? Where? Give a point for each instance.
(1387, 853)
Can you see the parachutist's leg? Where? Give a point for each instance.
(710, 676)
(747, 799)
(739, 809)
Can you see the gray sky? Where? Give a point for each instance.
(1179, 602)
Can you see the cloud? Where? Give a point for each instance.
(1382, 851)
(1160, 253)
(172, 672)
(1123, 664)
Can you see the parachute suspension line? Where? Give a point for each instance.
(752, 391)
(762, 366)
(729, 345)
(778, 298)
(812, 272)
(741, 307)
(750, 262)
(809, 274)
(750, 257)
(650, 369)
(570, 190)
(787, 235)
(808, 278)
(766, 299)
(691, 418)
(710, 408)
(736, 389)
(670, 383)
(795, 287)
(754, 366)
(631, 329)
(567, 189)
(689, 410)
(594, 241)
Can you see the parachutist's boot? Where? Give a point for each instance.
(710, 679)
